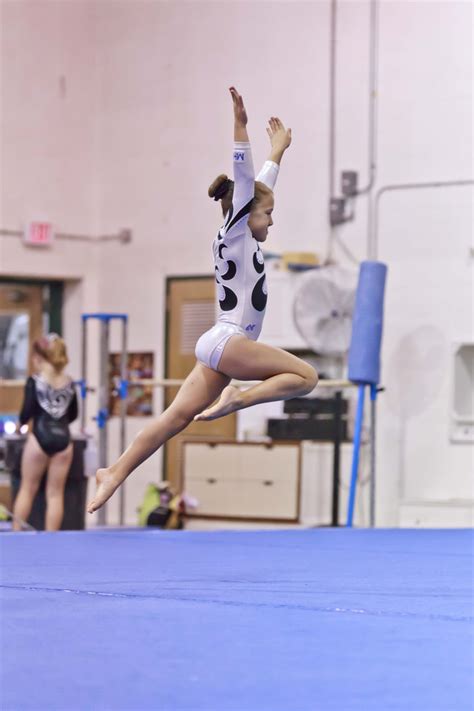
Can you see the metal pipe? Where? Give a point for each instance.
(175, 382)
(355, 455)
(122, 236)
(373, 79)
(372, 244)
(123, 410)
(332, 127)
(103, 405)
(83, 373)
(373, 406)
(332, 99)
(336, 458)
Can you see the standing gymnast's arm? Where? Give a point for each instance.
(28, 407)
(73, 409)
(280, 139)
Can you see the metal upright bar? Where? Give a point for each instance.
(336, 458)
(373, 422)
(123, 408)
(103, 404)
(84, 374)
(356, 453)
(103, 392)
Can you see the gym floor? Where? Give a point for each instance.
(313, 620)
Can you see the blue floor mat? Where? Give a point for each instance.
(311, 620)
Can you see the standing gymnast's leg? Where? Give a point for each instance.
(33, 465)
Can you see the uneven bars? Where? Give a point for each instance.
(176, 382)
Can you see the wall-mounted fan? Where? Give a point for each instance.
(323, 308)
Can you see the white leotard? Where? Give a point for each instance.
(238, 259)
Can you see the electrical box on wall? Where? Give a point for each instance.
(462, 418)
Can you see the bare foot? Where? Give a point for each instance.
(229, 401)
(106, 485)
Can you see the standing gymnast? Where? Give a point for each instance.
(230, 348)
(50, 402)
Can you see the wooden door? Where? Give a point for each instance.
(190, 307)
(20, 324)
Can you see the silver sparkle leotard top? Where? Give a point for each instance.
(238, 259)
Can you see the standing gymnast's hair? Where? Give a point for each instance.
(230, 349)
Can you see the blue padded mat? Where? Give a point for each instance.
(311, 620)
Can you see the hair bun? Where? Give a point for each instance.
(222, 189)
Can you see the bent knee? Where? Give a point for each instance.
(310, 378)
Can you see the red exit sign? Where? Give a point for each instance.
(39, 234)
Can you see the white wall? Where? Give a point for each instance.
(148, 126)
(49, 149)
(167, 132)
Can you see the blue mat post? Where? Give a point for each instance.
(373, 427)
(355, 456)
(364, 363)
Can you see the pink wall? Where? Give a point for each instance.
(145, 124)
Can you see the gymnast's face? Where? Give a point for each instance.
(260, 218)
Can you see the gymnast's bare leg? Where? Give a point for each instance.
(199, 390)
(283, 374)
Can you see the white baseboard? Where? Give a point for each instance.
(437, 514)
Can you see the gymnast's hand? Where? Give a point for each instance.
(280, 138)
(240, 114)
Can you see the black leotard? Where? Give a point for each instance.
(52, 409)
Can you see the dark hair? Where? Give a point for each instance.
(223, 189)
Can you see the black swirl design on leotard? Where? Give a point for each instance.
(230, 222)
(259, 296)
(227, 298)
(229, 302)
(229, 217)
(231, 271)
(258, 263)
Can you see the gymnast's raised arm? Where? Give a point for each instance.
(280, 139)
(244, 175)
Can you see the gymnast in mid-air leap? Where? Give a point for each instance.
(229, 350)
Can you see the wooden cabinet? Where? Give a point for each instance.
(279, 482)
(190, 309)
(243, 480)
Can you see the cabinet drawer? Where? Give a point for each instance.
(242, 480)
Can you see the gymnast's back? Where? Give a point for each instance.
(52, 409)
